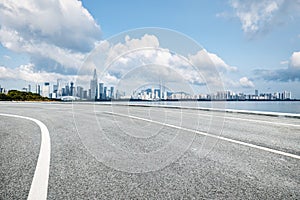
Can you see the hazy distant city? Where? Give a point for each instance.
(100, 92)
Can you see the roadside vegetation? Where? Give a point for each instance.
(14, 95)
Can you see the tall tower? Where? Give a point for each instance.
(59, 88)
(105, 93)
(38, 89)
(112, 91)
(72, 93)
(94, 86)
(101, 91)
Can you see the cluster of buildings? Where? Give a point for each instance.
(158, 94)
(97, 91)
(231, 96)
(152, 94)
(69, 91)
(100, 92)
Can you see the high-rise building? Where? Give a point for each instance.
(112, 93)
(94, 86)
(55, 89)
(38, 89)
(105, 93)
(63, 91)
(85, 94)
(89, 94)
(286, 95)
(72, 89)
(101, 91)
(152, 93)
(29, 88)
(67, 90)
(59, 91)
(46, 90)
(1, 89)
(79, 92)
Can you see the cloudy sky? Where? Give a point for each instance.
(254, 44)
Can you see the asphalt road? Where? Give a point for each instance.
(121, 152)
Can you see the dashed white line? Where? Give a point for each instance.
(210, 135)
(39, 185)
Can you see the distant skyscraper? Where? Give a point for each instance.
(59, 91)
(63, 92)
(72, 89)
(38, 89)
(54, 88)
(101, 90)
(94, 86)
(85, 94)
(256, 92)
(105, 93)
(46, 90)
(112, 92)
(152, 93)
(67, 90)
(89, 94)
(29, 88)
(79, 92)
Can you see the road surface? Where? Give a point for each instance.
(120, 152)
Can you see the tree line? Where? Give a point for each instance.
(15, 95)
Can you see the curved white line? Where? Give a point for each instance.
(210, 135)
(39, 185)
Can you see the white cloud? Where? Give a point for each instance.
(253, 14)
(284, 62)
(133, 47)
(295, 60)
(144, 56)
(6, 57)
(246, 83)
(290, 73)
(220, 64)
(61, 31)
(123, 57)
(261, 15)
(27, 73)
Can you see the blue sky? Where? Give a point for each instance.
(261, 38)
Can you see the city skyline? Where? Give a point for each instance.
(98, 91)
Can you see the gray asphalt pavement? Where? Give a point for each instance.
(120, 152)
(19, 150)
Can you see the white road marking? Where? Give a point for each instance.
(182, 109)
(39, 185)
(235, 118)
(276, 114)
(210, 135)
(244, 119)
